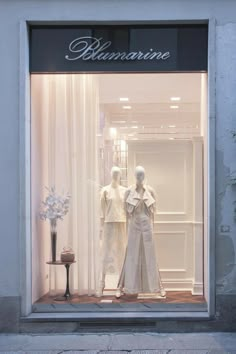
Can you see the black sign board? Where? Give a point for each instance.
(123, 48)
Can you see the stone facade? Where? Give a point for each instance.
(13, 262)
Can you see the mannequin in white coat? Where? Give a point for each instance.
(140, 273)
(113, 228)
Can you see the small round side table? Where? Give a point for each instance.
(67, 265)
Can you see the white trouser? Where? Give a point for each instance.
(112, 250)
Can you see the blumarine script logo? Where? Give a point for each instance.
(92, 48)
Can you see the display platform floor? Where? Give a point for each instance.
(174, 301)
(171, 297)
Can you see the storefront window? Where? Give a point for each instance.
(129, 149)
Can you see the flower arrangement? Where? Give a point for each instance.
(55, 206)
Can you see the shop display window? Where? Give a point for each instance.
(129, 151)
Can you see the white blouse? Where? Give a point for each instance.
(112, 204)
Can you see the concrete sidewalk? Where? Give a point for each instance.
(195, 343)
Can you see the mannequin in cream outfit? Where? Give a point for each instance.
(113, 228)
(140, 273)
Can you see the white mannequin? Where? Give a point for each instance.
(115, 182)
(115, 175)
(140, 272)
(139, 174)
(113, 221)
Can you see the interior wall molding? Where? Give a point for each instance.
(178, 284)
(197, 288)
(171, 213)
(188, 222)
(173, 233)
(173, 270)
(147, 148)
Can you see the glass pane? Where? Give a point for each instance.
(128, 148)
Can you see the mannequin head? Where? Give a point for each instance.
(115, 174)
(139, 175)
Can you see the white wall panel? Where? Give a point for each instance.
(165, 171)
(171, 249)
(169, 170)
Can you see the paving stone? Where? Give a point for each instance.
(188, 351)
(53, 352)
(134, 343)
(190, 341)
(33, 352)
(30, 343)
(134, 352)
(81, 351)
(213, 351)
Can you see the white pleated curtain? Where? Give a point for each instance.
(70, 106)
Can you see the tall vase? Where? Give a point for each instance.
(53, 227)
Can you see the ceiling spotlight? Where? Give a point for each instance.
(134, 127)
(172, 126)
(174, 107)
(175, 98)
(119, 121)
(113, 132)
(127, 107)
(124, 99)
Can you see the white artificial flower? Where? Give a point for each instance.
(55, 206)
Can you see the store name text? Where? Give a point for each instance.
(91, 48)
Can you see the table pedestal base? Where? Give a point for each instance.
(67, 294)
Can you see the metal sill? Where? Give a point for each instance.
(119, 308)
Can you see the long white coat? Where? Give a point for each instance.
(140, 271)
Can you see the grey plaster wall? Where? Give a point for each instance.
(14, 11)
(225, 158)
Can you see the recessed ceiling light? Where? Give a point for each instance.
(127, 107)
(113, 132)
(171, 138)
(174, 107)
(175, 98)
(124, 99)
(119, 121)
(172, 126)
(134, 127)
